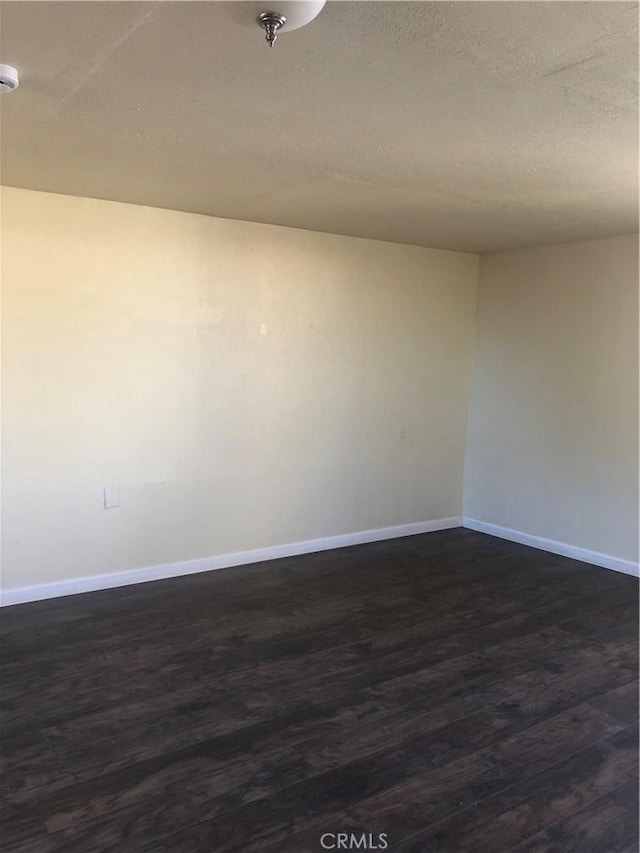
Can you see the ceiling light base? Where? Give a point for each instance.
(271, 23)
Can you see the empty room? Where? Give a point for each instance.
(319, 426)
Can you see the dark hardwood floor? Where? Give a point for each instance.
(443, 693)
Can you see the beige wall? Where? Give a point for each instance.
(553, 427)
(133, 354)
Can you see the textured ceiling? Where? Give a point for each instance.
(478, 126)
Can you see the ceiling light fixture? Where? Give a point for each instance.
(271, 23)
(275, 17)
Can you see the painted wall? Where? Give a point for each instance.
(553, 426)
(245, 385)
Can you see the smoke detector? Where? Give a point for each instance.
(9, 79)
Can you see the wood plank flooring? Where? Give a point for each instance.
(443, 693)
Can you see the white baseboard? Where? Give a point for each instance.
(594, 557)
(56, 589)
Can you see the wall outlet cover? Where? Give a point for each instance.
(111, 497)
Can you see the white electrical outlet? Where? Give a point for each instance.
(111, 497)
